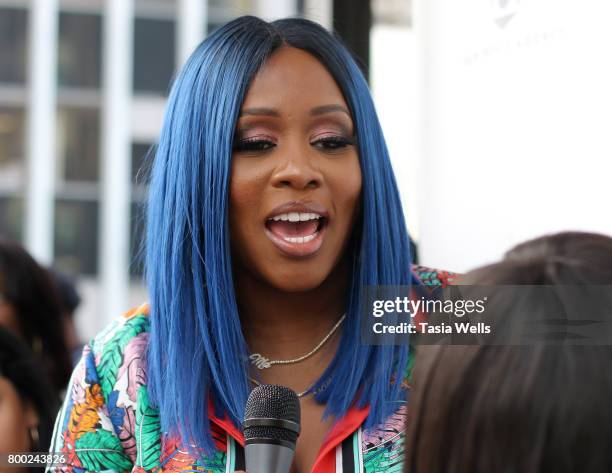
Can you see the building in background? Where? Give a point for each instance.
(63, 185)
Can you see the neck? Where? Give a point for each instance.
(284, 325)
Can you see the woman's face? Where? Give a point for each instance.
(16, 418)
(296, 179)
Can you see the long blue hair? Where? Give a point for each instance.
(197, 350)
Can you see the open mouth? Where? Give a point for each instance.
(297, 233)
(296, 227)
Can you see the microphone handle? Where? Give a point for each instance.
(267, 458)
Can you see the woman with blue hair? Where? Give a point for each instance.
(272, 206)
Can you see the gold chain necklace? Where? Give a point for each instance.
(261, 362)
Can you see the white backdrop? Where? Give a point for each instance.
(515, 124)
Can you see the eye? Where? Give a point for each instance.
(253, 145)
(333, 143)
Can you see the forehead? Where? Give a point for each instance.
(293, 78)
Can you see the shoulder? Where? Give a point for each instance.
(382, 446)
(119, 352)
(121, 331)
(433, 277)
(106, 400)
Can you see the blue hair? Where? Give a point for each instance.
(197, 349)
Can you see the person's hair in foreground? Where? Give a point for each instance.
(527, 409)
(27, 404)
(30, 307)
(197, 347)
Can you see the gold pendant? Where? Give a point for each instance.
(259, 361)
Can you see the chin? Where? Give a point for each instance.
(298, 286)
(285, 274)
(297, 281)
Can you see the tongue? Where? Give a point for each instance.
(293, 229)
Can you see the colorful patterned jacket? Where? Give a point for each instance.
(107, 423)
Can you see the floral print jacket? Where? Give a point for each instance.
(108, 424)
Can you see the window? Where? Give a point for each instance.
(13, 27)
(78, 143)
(157, 4)
(75, 228)
(76, 236)
(11, 217)
(137, 235)
(12, 137)
(79, 50)
(154, 55)
(141, 162)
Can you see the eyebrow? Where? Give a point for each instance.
(271, 112)
(323, 109)
(260, 111)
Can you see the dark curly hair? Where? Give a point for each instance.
(19, 367)
(30, 291)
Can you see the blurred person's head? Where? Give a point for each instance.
(27, 402)
(29, 306)
(69, 301)
(562, 258)
(539, 408)
(67, 292)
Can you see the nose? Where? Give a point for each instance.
(296, 170)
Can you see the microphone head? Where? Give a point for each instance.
(272, 415)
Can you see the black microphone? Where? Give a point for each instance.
(271, 428)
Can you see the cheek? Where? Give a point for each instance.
(246, 190)
(355, 190)
(14, 436)
(348, 190)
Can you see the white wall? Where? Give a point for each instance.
(515, 124)
(394, 89)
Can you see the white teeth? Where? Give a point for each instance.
(305, 239)
(296, 217)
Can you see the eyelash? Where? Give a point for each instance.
(258, 145)
(253, 145)
(333, 143)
